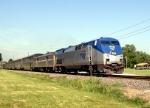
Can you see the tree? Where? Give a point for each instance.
(133, 56)
(142, 57)
(129, 52)
(47, 52)
(10, 60)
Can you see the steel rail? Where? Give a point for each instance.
(131, 77)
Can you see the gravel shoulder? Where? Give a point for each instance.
(132, 87)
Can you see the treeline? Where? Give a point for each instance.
(134, 57)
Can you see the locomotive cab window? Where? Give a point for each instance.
(105, 42)
(115, 42)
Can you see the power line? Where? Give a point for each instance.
(127, 28)
(119, 31)
(132, 32)
(135, 34)
(120, 37)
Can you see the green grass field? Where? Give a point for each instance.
(41, 91)
(137, 72)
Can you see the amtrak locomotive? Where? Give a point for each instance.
(102, 56)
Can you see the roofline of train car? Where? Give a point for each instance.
(26, 57)
(44, 55)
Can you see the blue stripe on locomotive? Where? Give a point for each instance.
(104, 48)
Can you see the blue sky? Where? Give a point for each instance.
(38, 26)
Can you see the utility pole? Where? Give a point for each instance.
(50, 48)
(17, 55)
(126, 61)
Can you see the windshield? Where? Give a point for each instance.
(105, 42)
(115, 42)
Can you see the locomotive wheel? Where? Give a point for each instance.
(101, 74)
(76, 72)
(44, 70)
(120, 71)
(89, 73)
(63, 70)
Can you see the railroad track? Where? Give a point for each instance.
(125, 76)
(130, 76)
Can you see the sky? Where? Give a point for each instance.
(37, 26)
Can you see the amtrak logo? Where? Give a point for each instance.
(112, 47)
(83, 55)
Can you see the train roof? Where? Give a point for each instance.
(44, 55)
(33, 55)
(103, 38)
(72, 48)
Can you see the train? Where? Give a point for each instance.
(100, 56)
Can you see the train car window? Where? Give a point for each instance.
(105, 42)
(115, 42)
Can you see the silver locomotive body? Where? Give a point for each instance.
(103, 55)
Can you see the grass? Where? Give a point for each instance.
(137, 72)
(41, 91)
